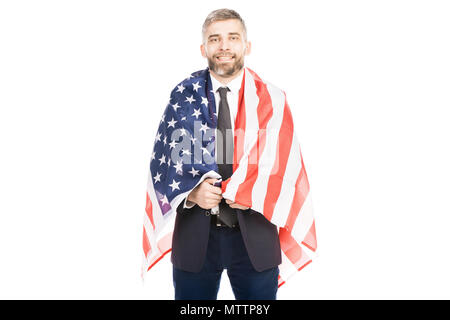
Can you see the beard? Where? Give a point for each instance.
(226, 69)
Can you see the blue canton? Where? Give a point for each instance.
(184, 147)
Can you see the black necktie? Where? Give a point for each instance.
(225, 154)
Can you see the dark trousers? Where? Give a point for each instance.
(226, 250)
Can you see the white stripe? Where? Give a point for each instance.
(269, 154)
(251, 101)
(287, 269)
(236, 179)
(147, 222)
(149, 231)
(168, 228)
(287, 193)
(304, 220)
(154, 238)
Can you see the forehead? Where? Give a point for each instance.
(224, 27)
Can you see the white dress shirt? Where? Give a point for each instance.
(232, 98)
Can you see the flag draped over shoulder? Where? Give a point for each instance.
(268, 171)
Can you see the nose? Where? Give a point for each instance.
(224, 44)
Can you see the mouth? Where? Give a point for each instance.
(225, 58)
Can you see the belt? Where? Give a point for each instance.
(215, 221)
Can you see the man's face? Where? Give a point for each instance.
(225, 47)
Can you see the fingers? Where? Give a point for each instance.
(212, 200)
(211, 180)
(211, 187)
(235, 205)
(208, 196)
(214, 196)
(238, 206)
(215, 190)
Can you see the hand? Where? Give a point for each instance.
(206, 195)
(235, 205)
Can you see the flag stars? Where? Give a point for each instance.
(174, 185)
(180, 88)
(178, 166)
(190, 99)
(205, 101)
(164, 200)
(204, 127)
(157, 177)
(196, 86)
(196, 113)
(162, 159)
(194, 172)
(172, 144)
(186, 151)
(171, 123)
(176, 106)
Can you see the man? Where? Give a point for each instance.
(235, 198)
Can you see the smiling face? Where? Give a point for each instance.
(225, 45)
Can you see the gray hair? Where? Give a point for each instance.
(220, 15)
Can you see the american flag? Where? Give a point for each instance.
(268, 171)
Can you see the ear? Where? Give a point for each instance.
(202, 50)
(248, 48)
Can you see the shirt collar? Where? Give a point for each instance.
(234, 85)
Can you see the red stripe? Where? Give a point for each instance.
(264, 112)
(304, 265)
(146, 244)
(280, 281)
(157, 260)
(148, 209)
(276, 176)
(164, 246)
(301, 191)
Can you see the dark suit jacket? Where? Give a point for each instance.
(191, 233)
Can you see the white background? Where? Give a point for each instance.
(83, 85)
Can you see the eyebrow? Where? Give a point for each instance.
(230, 33)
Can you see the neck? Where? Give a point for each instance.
(226, 80)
